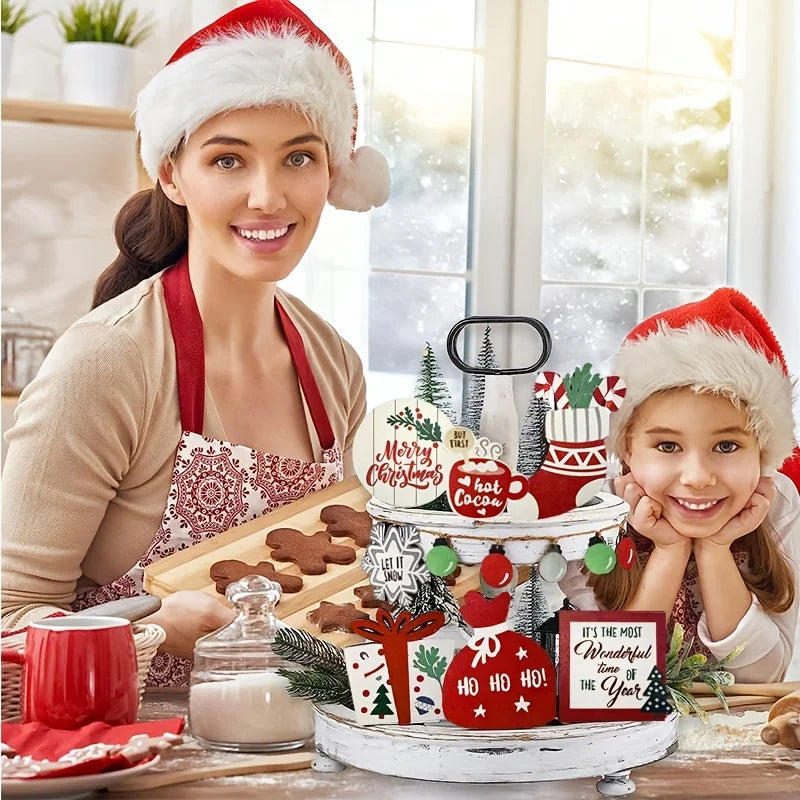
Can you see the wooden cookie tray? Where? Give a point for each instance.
(189, 569)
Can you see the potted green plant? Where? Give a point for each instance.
(14, 16)
(97, 60)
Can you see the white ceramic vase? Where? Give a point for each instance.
(97, 74)
(7, 48)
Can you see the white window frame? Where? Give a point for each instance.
(509, 151)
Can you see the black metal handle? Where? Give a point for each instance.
(537, 325)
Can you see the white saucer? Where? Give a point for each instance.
(69, 788)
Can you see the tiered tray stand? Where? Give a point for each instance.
(444, 752)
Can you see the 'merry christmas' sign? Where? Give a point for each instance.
(612, 666)
(399, 453)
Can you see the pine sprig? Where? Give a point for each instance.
(427, 430)
(684, 669)
(300, 647)
(580, 386)
(318, 686)
(428, 661)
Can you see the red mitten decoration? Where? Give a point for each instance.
(501, 679)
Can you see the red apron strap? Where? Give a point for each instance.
(187, 333)
(308, 383)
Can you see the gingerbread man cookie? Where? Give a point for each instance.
(367, 599)
(311, 553)
(450, 580)
(335, 617)
(224, 573)
(346, 521)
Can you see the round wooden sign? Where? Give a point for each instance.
(399, 453)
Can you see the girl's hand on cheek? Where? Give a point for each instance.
(646, 515)
(748, 519)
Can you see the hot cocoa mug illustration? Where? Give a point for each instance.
(481, 487)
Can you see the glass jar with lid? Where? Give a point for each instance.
(237, 700)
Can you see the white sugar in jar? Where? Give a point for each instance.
(237, 699)
(249, 709)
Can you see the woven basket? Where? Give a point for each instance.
(146, 637)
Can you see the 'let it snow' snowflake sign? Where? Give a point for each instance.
(393, 562)
(612, 666)
(399, 453)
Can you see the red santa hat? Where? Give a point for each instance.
(721, 345)
(263, 53)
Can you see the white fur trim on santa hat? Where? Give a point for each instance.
(247, 69)
(711, 361)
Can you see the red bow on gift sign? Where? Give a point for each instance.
(394, 635)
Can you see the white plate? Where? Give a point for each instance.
(69, 788)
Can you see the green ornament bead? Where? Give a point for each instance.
(600, 559)
(441, 560)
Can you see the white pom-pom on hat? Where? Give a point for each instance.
(361, 184)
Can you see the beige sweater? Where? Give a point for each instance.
(91, 453)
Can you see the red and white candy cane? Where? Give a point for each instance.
(609, 393)
(550, 386)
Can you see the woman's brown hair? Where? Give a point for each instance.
(152, 233)
(768, 575)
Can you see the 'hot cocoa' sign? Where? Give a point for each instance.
(481, 487)
(611, 665)
(399, 453)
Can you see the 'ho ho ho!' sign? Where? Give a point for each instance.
(612, 666)
(400, 453)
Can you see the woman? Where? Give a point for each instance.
(247, 130)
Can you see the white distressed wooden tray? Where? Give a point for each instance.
(444, 752)
(524, 542)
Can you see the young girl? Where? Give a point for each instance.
(706, 423)
(197, 395)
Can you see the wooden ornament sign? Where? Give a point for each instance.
(399, 453)
(501, 680)
(612, 666)
(397, 677)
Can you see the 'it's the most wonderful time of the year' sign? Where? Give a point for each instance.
(612, 666)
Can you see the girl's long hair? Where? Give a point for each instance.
(769, 575)
(152, 233)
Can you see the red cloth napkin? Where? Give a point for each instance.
(41, 742)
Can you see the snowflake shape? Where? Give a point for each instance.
(394, 562)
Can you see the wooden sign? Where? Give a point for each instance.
(612, 666)
(399, 453)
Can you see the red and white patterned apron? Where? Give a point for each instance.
(217, 485)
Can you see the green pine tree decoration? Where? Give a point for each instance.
(532, 442)
(435, 596)
(382, 706)
(325, 678)
(684, 669)
(431, 386)
(656, 694)
(476, 384)
(533, 608)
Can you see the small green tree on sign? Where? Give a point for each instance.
(382, 706)
(656, 694)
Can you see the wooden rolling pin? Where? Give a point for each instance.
(783, 722)
(762, 689)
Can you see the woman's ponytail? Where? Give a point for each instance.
(152, 233)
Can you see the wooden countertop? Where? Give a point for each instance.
(719, 762)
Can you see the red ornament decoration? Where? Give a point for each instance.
(501, 679)
(497, 571)
(626, 551)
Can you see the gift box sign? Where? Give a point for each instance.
(397, 679)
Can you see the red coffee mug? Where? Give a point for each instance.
(77, 670)
(482, 487)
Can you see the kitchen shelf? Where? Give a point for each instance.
(51, 113)
(66, 114)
